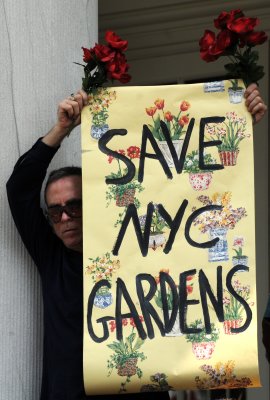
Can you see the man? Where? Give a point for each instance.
(56, 248)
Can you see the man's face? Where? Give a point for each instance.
(66, 191)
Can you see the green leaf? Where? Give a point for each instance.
(138, 344)
(153, 131)
(130, 339)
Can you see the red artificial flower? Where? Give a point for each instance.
(103, 53)
(151, 111)
(117, 68)
(224, 40)
(133, 152)
(217, 46)
(206, 43)
(225, 17)
(236, 32)
(184, 106)
(253, 38)
(159, 104)
(207, 40)
(168, 116)
(86, 55)
(105, 62)
(243, 24)
(115, 41)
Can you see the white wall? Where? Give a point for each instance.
(39, 42)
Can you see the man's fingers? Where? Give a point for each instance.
(254, 102)
(70, 108)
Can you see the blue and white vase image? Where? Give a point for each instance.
(219, 252)
(99, 130)
(103, 298)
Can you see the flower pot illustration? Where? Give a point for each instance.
(176, 327)
(240, 260)
(103, 298)
(99, 130)
(126, 198)
(128, 368)
(156, 240)
(236, 95)
(159, 383)
(228, 324)
(203, 350)
(203, 344)
(228, 158)
(163, 145)
(200, 180)
(158, 223)
(219, 252)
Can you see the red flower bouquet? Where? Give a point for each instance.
(105, 62)
(235, 39)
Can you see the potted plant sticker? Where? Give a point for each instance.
(236, 92)
(239, 258)
(123, 195)
(126, 354)
(217, 223)
(159, 383)
(233, 309)
(175, 124)
(199, 179)
(99, 101)
(102, 268)
(203, 344)
(221, 375)
(156, 238)
(231, 132)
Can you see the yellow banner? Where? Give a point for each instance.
(169, 239)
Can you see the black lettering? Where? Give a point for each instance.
(217, 303)
(146, 307)
(103, 320)
(184, 302)
(173, 224)
(203, 144)
(102, 145)
(239, 298)
(143, 239)
(178, 163)
(169, 321)
(147, 135)
(121, 291)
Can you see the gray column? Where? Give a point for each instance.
(39, 42)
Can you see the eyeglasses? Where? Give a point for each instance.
(73, 209)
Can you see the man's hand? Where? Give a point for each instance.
(69, 110)
(255, 103)
(68, 117)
